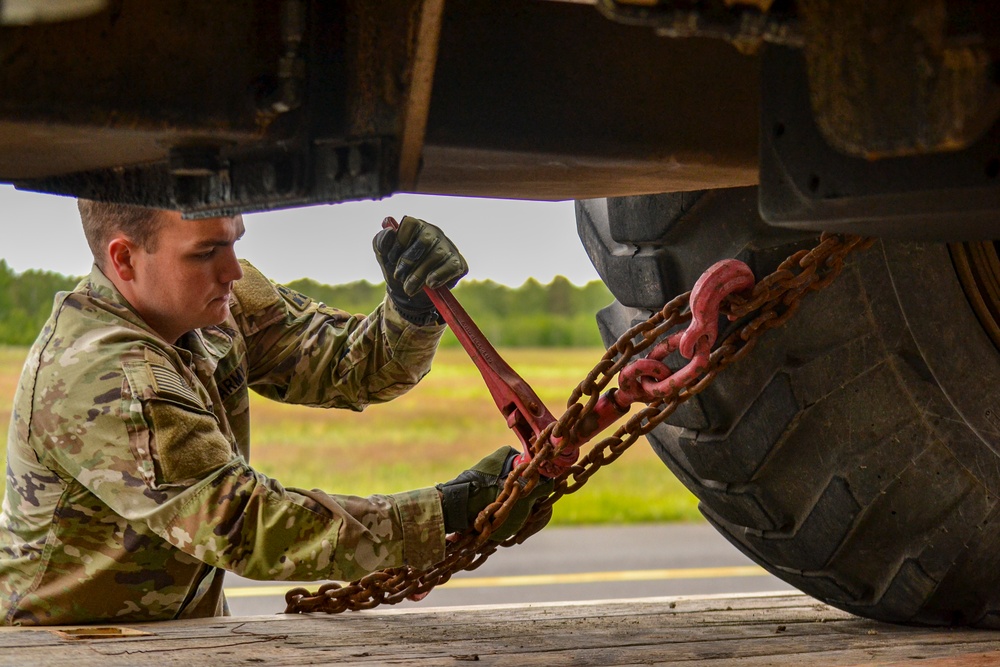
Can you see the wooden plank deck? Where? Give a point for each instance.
(756, 629)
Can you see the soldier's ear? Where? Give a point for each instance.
(121, 259)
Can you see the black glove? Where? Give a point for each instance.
(415, 256)
(463, 498)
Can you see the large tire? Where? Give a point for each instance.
(853, 454)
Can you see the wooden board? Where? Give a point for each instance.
(756, 629)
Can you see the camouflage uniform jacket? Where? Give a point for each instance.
(128, 488)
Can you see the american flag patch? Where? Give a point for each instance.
(169, 384)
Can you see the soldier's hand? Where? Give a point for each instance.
(463, 498)
(415, 256)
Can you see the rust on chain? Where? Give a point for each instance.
(773, 300)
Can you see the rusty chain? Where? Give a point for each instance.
(772, 302)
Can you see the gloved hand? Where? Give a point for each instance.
(463, 498)
(417, 255)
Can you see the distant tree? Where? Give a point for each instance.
(26, 302)
(560, 296)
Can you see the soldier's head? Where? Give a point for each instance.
(177, 274)
(103, 221)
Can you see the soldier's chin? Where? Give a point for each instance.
(218, 311)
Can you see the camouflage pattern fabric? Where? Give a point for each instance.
(129, 491)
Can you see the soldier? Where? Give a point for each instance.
(129, 490)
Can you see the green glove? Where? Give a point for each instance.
(416, 255)
(463, 498)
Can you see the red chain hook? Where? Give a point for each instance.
(649, 379)
(644, 380)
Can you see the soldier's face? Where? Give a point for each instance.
(186, 282)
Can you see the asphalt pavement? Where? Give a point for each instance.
(569, 564)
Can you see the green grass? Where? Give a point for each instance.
(441, 427)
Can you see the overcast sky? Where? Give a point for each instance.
(505, 241)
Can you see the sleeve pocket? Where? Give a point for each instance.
(182, 441)
(187, 443)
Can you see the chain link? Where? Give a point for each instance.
(772, 302)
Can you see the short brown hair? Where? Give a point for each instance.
(102, 220)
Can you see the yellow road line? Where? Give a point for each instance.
(550, 579)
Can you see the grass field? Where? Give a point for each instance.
(437, 430)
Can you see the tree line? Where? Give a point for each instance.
(559, 314)
(26, 301)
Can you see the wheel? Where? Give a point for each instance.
(853, 453)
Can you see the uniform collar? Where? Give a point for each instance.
(100, 286)
(209, 344)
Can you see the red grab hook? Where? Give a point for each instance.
(649, 379)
